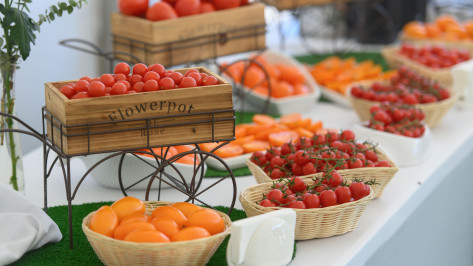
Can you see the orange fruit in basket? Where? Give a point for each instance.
(208, 219)
(458, 30)
(282, 89)
(186, 208)
(291, 74)
(104, 221)
(469, 28)
(127, 206)
(415, 29)
(301, 89)
(123, 230)
(147, 236)
(253, 77)
(170, 212)
(433, 31)
(135, 218)
(191, 233)
(166, 226)
(446, 20)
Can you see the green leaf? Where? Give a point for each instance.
(2, 9)
(53, 9)
(1, 42)
(62, 5)
(72, 3)
(21, 30)
(51, 16)
(70, 9)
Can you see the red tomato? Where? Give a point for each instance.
(328, 198)
(197, 77)
(311, 201)
(343, 194)
(267, 203)
(151, 75)
(107, 79)
(206, 7)
(122, 68)
(96, 89)
(187, 82)
(161, 11)
(118, 88)
(81, 85)
(150, 85)
(138, 87)
(276, 196)
(209, 80)
(177, 77)
(296, 184)
(158, 68)
(140, 69)
(358, 190)
(296, 204)
(167, 84)
(225, 4)
(187, 7)
(67, 91)
(80, 95)
(133, 7)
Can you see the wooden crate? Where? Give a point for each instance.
(123, 122)
(292, 4)
(191, 38)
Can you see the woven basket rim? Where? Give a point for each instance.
(100, 237)
(334, 208)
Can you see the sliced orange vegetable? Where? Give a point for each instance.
(279, 138)
(240, 131)
(263, 119)
(208, 146)
(304, 132)
(240, 141)
(263, 135)
(255, 128)
(316, 126)
(229, 150)
(290, 120)
(256, 145)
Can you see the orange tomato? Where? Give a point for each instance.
(208, 219)
(446, 20)
(170, 212)
(190, 233)
(282, 89)
(147, 236)
(166, 226)
(263, 119)
(301, 89)
(469, 28)
(104, 221)
(137, 217)
(253, 76)
(123, 230)
(127, 206)
(186, 208)
(433, 31)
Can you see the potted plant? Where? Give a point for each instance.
(19, 33)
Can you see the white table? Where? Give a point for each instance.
(423, 218)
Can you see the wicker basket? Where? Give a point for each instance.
(396, 60)
(118, 252)
(310, 223)
(434, 112)
(382, 175)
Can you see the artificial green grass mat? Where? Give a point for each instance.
(83, 254)
(377, 58)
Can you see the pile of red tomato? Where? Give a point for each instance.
(171, 9)
(321, 153)
(328, 190)
(407, 87)
(435, 56)
(397, 119)
(141, 79)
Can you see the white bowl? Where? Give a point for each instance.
(232, 162)
(291, 104)
(404, 151)
(135, 169)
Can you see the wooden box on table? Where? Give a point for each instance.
(131, 121)
(191, 38)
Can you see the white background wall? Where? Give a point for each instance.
(50, 61)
